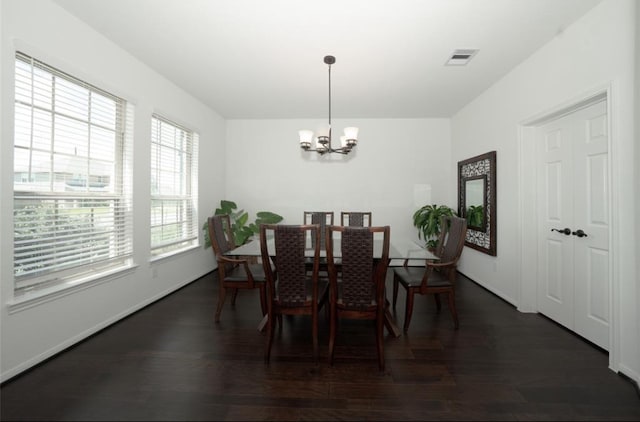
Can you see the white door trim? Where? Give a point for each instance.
(528, 218)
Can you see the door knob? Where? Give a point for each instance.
(566, 231)
(579, 233)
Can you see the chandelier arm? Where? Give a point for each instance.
(329, 150)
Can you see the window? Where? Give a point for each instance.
(72, 179)
(174, 170)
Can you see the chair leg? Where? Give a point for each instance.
(408, 309)
(395, 291)
(380, 339)
(452, 307)
(314, 330)
(270, 330)
(333, 327)
(436, 296)
(234, 295)
(388, 319)
(263, 298)
(324, 303)
(221, 297)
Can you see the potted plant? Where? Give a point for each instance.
(427, 221)
(475, 215)
(241, 231)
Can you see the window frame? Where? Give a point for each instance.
(184, 193)
(113, 221)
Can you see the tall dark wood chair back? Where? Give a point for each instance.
(436, 276)
(355, 219)
(233, 273)
(291, 289)
(220, 234)
(322, 219)
(357, 283)
(451, 242)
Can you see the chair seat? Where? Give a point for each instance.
(412, 277)
(238, 274)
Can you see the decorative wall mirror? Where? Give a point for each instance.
(477, 201)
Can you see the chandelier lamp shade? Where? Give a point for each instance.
(320, 142)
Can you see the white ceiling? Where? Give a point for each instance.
(264, 58)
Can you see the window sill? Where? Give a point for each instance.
(38, 297)
(160, 257)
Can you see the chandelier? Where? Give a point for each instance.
(323, 137)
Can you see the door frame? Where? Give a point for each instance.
(528, 215)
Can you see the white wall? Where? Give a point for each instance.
(46, 31)
(598, 50)
(636, 177)
(388, 173)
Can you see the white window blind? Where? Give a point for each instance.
(72, 178)
(174, 170)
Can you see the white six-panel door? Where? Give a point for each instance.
(572, 190)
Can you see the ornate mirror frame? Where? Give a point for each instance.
(481, 167)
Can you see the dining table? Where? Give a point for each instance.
(399, 249)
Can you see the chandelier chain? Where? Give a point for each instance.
(329, 101)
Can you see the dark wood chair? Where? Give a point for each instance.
(355, 219)
(321, 218)
(291, 289)
(233, 273)
(436, 276)
(357, 285)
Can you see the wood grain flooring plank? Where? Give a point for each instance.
(170, 361)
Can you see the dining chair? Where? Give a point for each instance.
(291, 290)
(357, 285)
(323, 219)
(233, 273)
(437, 276)
(355, 219)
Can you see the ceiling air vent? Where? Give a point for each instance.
(460, 57)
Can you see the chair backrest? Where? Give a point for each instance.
(287, 253)
(220, 234)
(355, 219)
(452, 236)
(362, 275)
(323, 219)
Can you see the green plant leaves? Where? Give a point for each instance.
(266, 217)
(475, 215)
(427, 221)
(226, 207)
(239, 219)
(241, 234)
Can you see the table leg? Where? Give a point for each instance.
(263, 323)
(388, 322)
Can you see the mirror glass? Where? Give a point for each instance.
(474, 202)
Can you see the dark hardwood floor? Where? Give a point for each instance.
(170, 361)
